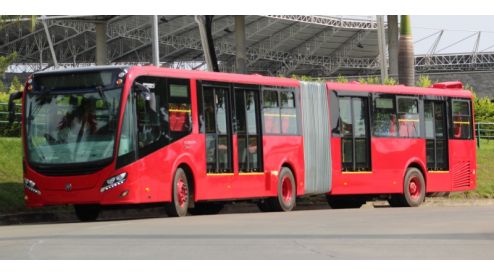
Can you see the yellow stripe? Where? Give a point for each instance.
(356, 172)
(250, 173)
(438, 171)
(461, 123)
(219, 174)
(408, 120)
(179, 110)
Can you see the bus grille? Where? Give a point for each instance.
(461, 174)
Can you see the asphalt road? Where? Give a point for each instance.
(373, 233)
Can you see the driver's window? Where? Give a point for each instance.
(151, 115)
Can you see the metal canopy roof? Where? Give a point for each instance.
(286, 44)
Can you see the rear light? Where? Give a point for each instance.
(113, 182)
(31, 186)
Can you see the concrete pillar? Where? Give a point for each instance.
(155, 42)
(204, 41)
(393, 45)
(382, 46)
(240, 52)
(101, 46)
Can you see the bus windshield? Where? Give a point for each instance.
(68, 127)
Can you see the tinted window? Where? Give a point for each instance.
(179, 109)
(288, 113)
(462, 128)
(408, 117)
(271, 112)
(151, 116)
(384, 123)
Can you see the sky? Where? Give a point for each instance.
(457, 27)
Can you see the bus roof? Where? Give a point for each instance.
(399, 89)
(214, 76)
(272, 81)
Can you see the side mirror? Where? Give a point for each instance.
(12, 98)
(143, 91)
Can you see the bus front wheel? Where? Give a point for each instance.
(413, 190)
(180, 195)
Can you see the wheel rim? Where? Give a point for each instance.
(286, 190)
(414, 188)
(182, 192)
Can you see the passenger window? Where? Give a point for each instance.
(384, 124)
(462, 128)
(179, 109)
(335, 111)
(408, 118)
(271, 112)
(288, 113)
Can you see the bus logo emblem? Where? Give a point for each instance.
(68, 187)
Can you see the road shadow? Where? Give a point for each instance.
(65, 214)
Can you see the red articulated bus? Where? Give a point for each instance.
(192, 140)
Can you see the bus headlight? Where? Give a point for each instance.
(113, 182)
(31, 186)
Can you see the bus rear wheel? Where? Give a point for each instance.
(180, 195)
(413, 190)
(287, 193)
(87, 212)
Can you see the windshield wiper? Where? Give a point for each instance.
(102, 95)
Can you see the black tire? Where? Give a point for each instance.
(207, 208)
(180, 195)
(287, 192)
(413, 190)
(87, 212)
(344, 202)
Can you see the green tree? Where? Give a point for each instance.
(390, 81)
(341, 78)
(2, 87)
(15, 85)
(424, 81)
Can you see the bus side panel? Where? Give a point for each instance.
(389, 157)
(277, 150)
(463, 165)
(283, 149)
(438, 182)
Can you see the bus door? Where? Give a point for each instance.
(248, 142)
(436, 148)
(216, 123)
(355, 136)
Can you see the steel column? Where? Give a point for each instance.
(155, 40)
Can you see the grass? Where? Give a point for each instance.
(485, 169)
(12, 194)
